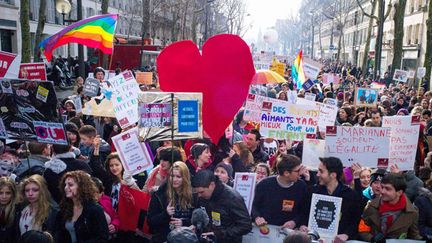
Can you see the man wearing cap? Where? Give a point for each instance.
(329, 174)
(392, 215)
(286, 205)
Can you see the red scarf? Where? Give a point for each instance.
(390, 210)
(195, 164)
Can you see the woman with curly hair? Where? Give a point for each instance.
(39, 210)
(171, 205)
(8, 199)
(81, 218)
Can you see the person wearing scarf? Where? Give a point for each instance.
(199, 159)
(159, 174)
(392, 215)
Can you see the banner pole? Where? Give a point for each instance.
(172, 127)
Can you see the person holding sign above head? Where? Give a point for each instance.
(285, 207)
(392, 215)
(171, 205)
(329, 174)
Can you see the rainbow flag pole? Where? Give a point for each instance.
(297, 72)
(95, 32)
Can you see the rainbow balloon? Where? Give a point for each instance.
(297, 72)
(95, 32)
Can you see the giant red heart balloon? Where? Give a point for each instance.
(222, 73)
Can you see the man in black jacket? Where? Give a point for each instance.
(63, 161)
(329, 174)
(229, 217)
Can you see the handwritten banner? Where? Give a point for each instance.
(327, 112)
(368, 146)
(311, 68)
(133, 153)
(244, 183)
(144, 78)
(155, 115)
(403, 140)
(125, 94)
(313, 149)
(330, 78)
(253, 107)
(281, 120)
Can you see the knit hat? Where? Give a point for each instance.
(404, 111)
(227, 167)
(70, 101)
(183, 234)
(377, 175)
(197, 149)
(340, 96)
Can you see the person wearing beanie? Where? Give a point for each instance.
(159, 174)
(225, 173)
(199, 159)
(402, 112)
(374, 189)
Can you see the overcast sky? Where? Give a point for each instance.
(263, 13)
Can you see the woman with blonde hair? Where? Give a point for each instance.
(8, 199)
(81, 218)
(171, 205)
(39, 210)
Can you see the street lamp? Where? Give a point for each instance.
(64, 7)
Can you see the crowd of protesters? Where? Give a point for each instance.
(71, 193)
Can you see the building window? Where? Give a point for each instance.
(6, 40)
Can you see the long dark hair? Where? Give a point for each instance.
(107, 166)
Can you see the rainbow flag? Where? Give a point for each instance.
(94, 32)
(297, 72)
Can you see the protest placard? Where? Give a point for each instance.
(133, 153)
(77, 101)
(244, 183)
(330, 101)
(253, 107)
(311, 68)
(327, 113)
(368, 146)
(155, 115)
(26, 102)
(267, 233)
(421, 72)
(400, 75)
(125, 98)
(9, 65)
(411, 74)
(366, 97)
(187, 116)
(403, 140)
(313, 149)
(330, 78)
(144, 78)
(103, 108)
(310, 96)
(50, 132)
(33, 71)
(91, 87)
(281, 120)
(324, 215)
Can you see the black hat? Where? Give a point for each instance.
(377, 175)
(183, 234)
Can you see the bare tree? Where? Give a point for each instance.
(398, 34)
(39, 30)
(25, 31)
(428, 55)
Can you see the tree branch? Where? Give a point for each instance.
(389, 7)
(364, 12)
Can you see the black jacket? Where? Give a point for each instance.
(350, 211)
(91, 226)
(227, 205)
(53, 173)
(9, 234)
(158, 218)
(260, 155)
(48, 225)
(424, 204)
